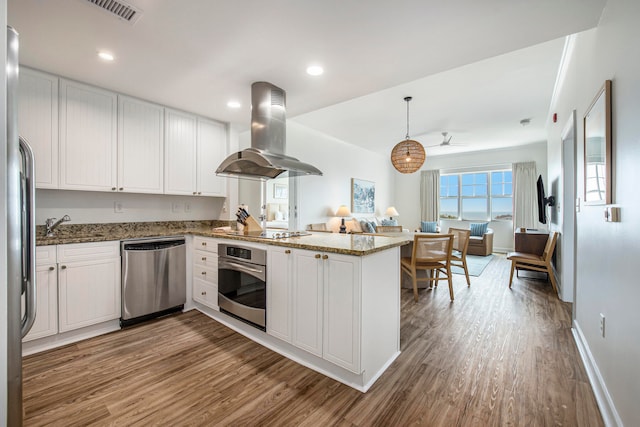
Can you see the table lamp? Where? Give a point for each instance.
(343, 211)
(391, 212)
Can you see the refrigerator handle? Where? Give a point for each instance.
(29, 244)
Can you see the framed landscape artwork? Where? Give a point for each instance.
(363, 196)
(597, 149)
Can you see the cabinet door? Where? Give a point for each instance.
(205, 293)
(342, 311)
(180, 153)
(140, 146)
(46, 304)
(279, 310)
(89, 292)
(212, 150)
(38, 122)
(307, 301)
(88, 139)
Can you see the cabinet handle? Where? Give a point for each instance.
(317, 256)
(199, 193)
(63, 267)
(113, 188)
(287, 251)
(204, 258)
(121, 189)
(195, 192)
(204, 243)
(51, 268)
(204, 273)
(203, 293)
(325, 256)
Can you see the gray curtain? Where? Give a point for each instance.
(430, 195)
(525, 204)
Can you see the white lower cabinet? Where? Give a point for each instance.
(314, 302)
(46, 323)
(279, 293)
(88, 284)
(205, 271)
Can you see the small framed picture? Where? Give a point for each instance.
(280, 191)
(363, 196)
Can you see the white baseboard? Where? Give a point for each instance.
(608, 410)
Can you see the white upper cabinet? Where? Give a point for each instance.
(38, 122)
(212, 150)
(180, 153)
(140, 146)
(88, 140)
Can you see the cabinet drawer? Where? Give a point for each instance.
(205, 293)
(205, 244)
(45, 255)
(207, 274)
(84, 251)
(206, 259)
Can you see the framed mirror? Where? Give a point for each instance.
(597, 148)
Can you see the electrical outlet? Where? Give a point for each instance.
(175, 207)
(187, 207)
(224, 207)
(602, 324)
(118, 207)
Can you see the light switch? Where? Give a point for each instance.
(175, 207)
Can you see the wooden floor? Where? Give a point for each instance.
(494, 357)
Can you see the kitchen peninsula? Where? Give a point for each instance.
(333, 300)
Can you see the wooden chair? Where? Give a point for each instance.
(536, 262)
(432, 253)
(460, 244)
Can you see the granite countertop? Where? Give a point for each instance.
(347, 244)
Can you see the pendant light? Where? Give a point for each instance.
(408, 156)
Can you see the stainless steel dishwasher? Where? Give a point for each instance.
(154, 278)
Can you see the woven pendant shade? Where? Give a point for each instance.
(408, 156)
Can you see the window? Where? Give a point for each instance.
(477, 196)
(501, 195)
(449, 197)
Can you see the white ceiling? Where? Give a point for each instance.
(474, 68)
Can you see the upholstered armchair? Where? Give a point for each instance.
(481, 245)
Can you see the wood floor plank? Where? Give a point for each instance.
(493, 357)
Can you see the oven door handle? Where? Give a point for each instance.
(241, 267)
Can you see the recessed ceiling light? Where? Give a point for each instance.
(106, 55)
(233, 104)
(315, 70)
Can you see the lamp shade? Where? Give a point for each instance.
(343, 211)
(408, 156)
(391, 211)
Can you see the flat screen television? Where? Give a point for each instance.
(543, 201)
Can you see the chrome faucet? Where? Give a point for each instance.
(51, 224)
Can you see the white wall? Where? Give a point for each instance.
(339, 161)
(407, 187)
(606, 276)
(85, 207)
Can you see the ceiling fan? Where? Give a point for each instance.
(446, 141)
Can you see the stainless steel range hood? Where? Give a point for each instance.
(266, 159)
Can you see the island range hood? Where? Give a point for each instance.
(266, 158)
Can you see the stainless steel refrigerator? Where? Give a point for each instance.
(20, 193)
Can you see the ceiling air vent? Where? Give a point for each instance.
(120, 9)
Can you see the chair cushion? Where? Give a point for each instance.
(478, 228)
(428, 226)
(389, 222)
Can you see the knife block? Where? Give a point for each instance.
(252, 225)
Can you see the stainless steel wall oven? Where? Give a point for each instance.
(242, 283)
